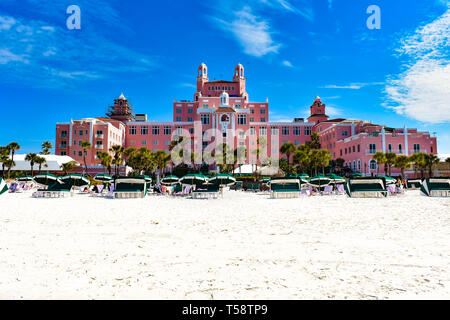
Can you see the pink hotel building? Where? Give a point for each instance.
(222, 110)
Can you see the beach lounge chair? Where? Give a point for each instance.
(367, 187)
(436, 187)
(249, 187)
(129, 187)
(208, 191)
(283, 188)
(237, 186)
(340, 189)
(328, 190)
(56, 190)
(256, 187)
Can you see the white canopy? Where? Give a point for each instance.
(54, 162)
(246, 168)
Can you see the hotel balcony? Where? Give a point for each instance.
(371, 151)
(64, 135)
(99, 146)
(417, 151)
(99, 136)
(63, 146)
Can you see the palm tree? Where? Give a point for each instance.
(41, 162)
(31, 157)
(315, 160)
(430, 161)
(302, 159)
(240, 154)
(390, 160)
(46, 146)
(68, 166)
(447, 160)
(340, 164)
(419, 163)
(415, 159)
(105, 160)
(86, 145)
(287, 149)
(324, 159)
(12, 147)
(8, 163)
(402, 162)
(314, 143)
(161, 159)
(117, 158)
(4, 157)
(380, 158)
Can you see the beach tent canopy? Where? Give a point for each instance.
(76, 180)
(356, 175)
(103, 177)
(367, 187)
(25, 178)
(223, 179)
(46, 179)
(269, 171)
(130, 187)
(54, 162)
(170, 180)
(335, 179)
(194, 178)
(3, 186)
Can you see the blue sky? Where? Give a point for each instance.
(292, 50)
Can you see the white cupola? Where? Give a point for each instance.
(224, 99)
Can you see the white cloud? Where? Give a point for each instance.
(332, 111)
(353, 86)
(6, 23)
(6, 56)
(287, 63)
(422, 90)
(252, 32)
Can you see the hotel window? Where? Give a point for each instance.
(349, 150)
(237, 106)
(205, 106)
(99, 145)
(389, 147)
(190, 119)
(252, 119)
(340, 152)
(263, 119)
(307, 131)
(354, 149)
(263, 111)
(79, 142)
(359, 165)
(285, 131)
(252, 111)
(297, 142)
(132, 130)
(373, 164)
(64, 134)
(344, 133)
(241, 135)
(155, 130)
(416, 148)
(345, 150)
(359, 147)
(178, 119)
(144, 130)
(274, 131)
(86, 132)
(155, 142)
(372, 148)
(242, 119)
(179, 110)
(241, 144)
(400, 149)
(204, 144)
(431, 149)
(81, 133)
(191, 130)
(190, 110)
(63, 144)
(63, 153)
(296, 131)
(166, 142)
(167, 130)
(80, 154)
(252, 130)
(74, 132)
(179, 130)
(262, 131)
(205, 118)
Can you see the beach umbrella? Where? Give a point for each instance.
(304, 176)
(319, 181)
(25, 178)
(103, 177)
(170, 180)
(76, 180)
(335, 179)
(193, 178)
(46, 179)
(3, 186)
(223, 179)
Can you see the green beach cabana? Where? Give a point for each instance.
(147, 179)
(170, 180)
(3, 186)
(368, 187)
(319, 181)
(282, 188)
(335, 179)
(76, 180)
(436, 187)
(389, 180)
(130, 187)
(193, 179)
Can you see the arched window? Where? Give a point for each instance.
(225, 118)
(373, 165)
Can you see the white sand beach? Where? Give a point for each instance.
(245, 246)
